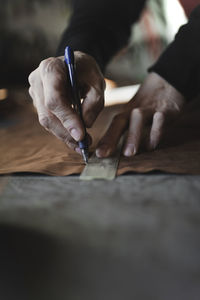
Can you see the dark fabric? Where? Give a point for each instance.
(180, 62)
(100, 28)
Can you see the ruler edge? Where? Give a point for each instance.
(115, 156)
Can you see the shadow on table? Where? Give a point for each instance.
(34, 265)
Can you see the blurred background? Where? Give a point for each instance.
(30, 31)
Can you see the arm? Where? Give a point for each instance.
(180, 62)
(97, 30)
(174, 78)
(100, 28)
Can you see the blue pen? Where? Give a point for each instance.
(76, 101)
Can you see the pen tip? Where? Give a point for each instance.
(85, 156)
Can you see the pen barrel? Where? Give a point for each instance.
(76, 99)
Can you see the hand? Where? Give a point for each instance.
(156, 101)
(50, 91)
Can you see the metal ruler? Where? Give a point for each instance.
(102, 168)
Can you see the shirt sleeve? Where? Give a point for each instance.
(180, 62)
(100, 28)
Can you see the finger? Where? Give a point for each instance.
(56, 98)
(35, 84)
(47, 119)
(109, 142)
(92, 105)
(53, 125)
(156, 129)
(31, 93)
(136, 125)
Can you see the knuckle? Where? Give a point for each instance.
(69, 121)
(45, 122)
(136, 112)
(47, 65)
(45, 62)
(30, 90)
(155, 136)
(159, 116)
(31, 78)
(51, 104)
(69, 142)
(155, 131)
(132, 135)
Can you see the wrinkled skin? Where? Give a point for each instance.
(156, 102)
(51, 94)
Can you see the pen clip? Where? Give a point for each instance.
(70, 62)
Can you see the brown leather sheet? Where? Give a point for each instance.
(27, 147)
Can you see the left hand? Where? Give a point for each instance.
(156, 101)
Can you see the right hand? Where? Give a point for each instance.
(50, 91)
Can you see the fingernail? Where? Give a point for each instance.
(102, 152)
(76, 134)
(129, 151)
(153, 145)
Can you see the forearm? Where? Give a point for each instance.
(100, 28)
(180, 62)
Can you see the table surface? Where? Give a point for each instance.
(136, 237)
